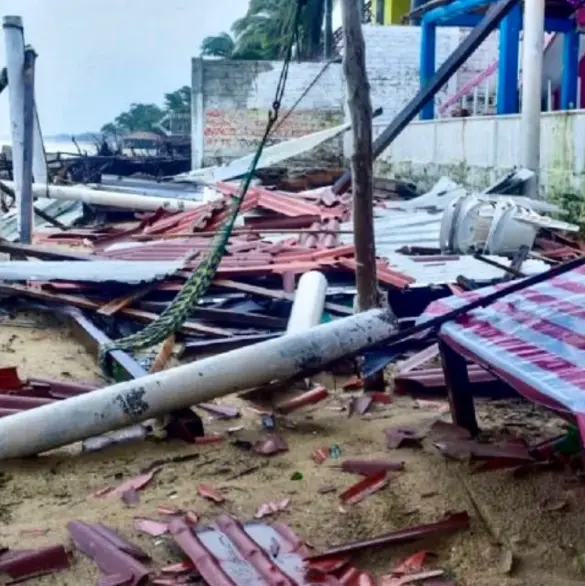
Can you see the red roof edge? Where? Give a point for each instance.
(25, 564)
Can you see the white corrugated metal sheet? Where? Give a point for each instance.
(118, 271)
(66, 212)
(395, 229)
(442, 270)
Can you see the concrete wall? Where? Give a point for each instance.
(475, 151)
(231, 100)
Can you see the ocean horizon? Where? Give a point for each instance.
(59, 146)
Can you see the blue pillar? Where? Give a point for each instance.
(428, 44)
(570, 74)
(507, 99)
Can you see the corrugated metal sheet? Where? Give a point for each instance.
(152, 188)
(66, 212)
(156, 250)
(429, 270)
(395, 229)
(119, 271)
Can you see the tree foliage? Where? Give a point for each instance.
(263, 32)
(146, 116)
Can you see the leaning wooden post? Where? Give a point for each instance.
(360, 109)
(26, 208)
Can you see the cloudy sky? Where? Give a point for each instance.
(95, 58)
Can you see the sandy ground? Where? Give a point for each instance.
(510, 516)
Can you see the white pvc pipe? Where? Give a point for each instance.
(14, 47)
(111, 198)
(532, 58)
(64, 422)
(308, 304)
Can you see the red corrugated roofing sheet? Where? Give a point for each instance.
(234, 554)
(34, 393)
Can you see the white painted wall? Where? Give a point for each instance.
(476, 151)
(393, 64)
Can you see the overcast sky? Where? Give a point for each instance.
(96, 57)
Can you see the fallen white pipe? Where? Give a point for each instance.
(64, 422)
(307, 308)
(110, 198)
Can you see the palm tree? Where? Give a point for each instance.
(221, 45)
(263, 32)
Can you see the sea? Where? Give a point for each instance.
(126, 184)
(59, 146)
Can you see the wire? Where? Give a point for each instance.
(305, 92)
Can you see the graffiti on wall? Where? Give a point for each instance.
(233, 133)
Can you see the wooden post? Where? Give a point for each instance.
(458, 388)
(26, 209)
(360, 108)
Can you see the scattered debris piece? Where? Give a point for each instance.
(131, 497)
(134, 484)
(320, 455)
(268, 421)
(220, 411)
(493, 457)
(151, 526)
(451, 522)
(438, 406)
(186, 425)
(354, 384)
(210, 493)
(401, 437)
(335, 452)
(296, 476)
(412, 564)
(360, 405)
(381, 398)
(507, 561)
(214, 438)
(114, 556)
(270, 445)
(191, 518)
(419, 577)
(178, 568)
(272, 507)
(369, 485)
(309, 398)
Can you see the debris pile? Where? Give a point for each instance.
(279, 312)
